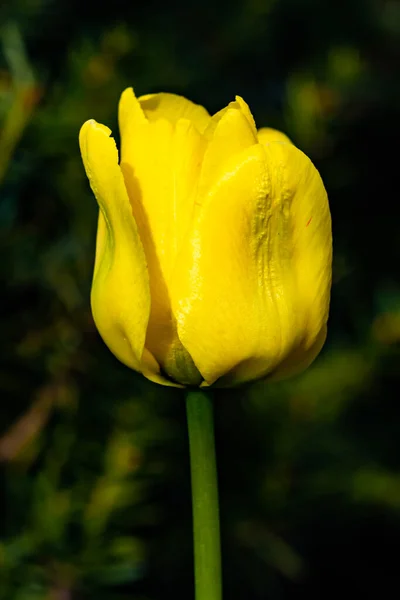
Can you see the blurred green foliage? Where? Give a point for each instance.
(96, 490)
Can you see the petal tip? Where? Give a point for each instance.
(127, 93)
(93, 125)
(129, 109)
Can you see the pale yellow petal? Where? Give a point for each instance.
(253, 282)
(120, 291)
(173, 108)
(266, 135)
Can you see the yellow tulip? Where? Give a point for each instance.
(213, 258)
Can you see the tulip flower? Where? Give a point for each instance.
(213, 258)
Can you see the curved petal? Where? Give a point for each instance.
(266, 135)
(173, 108)
(253, 281)
(301, 358)
(229, 132)
(120, 292)
(244, 107)
(160, 162)
(311, 235)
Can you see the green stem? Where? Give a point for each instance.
(207, 552)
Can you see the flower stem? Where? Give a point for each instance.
(207, 552)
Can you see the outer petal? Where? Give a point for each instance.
(311, 235)
(253, 282)
(120, 291)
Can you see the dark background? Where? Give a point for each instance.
(96, 491)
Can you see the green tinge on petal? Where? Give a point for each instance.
(179, 366)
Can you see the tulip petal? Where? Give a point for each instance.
(160, 161)
(301, 358)
(252, 287)
(311, 235)
(245, 109)
(173, 108)
(120, 292)
(266, 135)
(229, 132)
